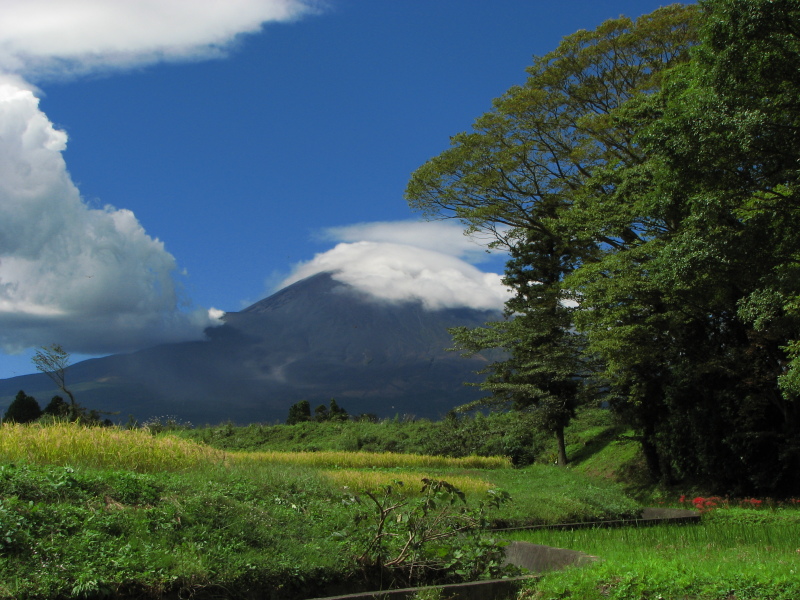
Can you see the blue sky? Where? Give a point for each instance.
(182, 160)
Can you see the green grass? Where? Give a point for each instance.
(88, 512)
(68, 531)
(734, 554)
(502, 434)
(93, 512)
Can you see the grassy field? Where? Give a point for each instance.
(103, 512)
(734, 554)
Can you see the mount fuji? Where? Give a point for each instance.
(314, 340)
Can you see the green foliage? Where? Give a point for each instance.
(249, 525)
(498, 434)
(56, 407)
(648, 172)
(122, 533)
(434, 536)
(741, 554)
(322, 413)
(23, 409)
(541, 375)
(693, 318)
(299, 412)
(519, 173)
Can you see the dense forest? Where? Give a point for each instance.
(645, 182)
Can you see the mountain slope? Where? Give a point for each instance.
(314, 340)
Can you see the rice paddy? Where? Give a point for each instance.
(371, 480)
(734, 554)
(372, 460)
(136, 449)
(102, 447)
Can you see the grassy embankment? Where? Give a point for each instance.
(103, 511)
(92, 512)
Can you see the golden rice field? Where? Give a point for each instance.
(372, 480)
(373, 460)
(102, 447)
(110, 447)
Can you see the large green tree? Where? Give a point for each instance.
(299, 412)
(694, 318)
(517, 176)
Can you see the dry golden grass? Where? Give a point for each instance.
(104, 447)
(368, 460)
(373, 480)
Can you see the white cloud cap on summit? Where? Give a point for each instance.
(63, 37)
(440, 236)
(401, 272)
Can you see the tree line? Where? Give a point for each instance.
(644, 180)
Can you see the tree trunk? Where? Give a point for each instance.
(562, 448)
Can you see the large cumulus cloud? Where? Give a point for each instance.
(92, 279)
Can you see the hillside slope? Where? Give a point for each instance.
(313, 340)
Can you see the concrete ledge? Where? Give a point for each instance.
(533, 557)
(539, 559)
(649, 516)
(494, 589)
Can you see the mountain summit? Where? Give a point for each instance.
(314, 340)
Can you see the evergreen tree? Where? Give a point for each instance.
(336, 413)
(23, 409)
(321, 414)
(299, 413)
(542, 373)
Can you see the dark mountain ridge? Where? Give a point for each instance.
(314, 340)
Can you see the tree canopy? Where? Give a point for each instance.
(519, 173)
(648, 172)
(23, 409)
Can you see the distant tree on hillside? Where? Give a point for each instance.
(57, 407)
(321, 414)
(299, 412)
(333, 412)
(23, 409)
(53, 362)
(336, 413)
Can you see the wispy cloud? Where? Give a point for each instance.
(57, 38)
(428, 266)
(447, 237)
